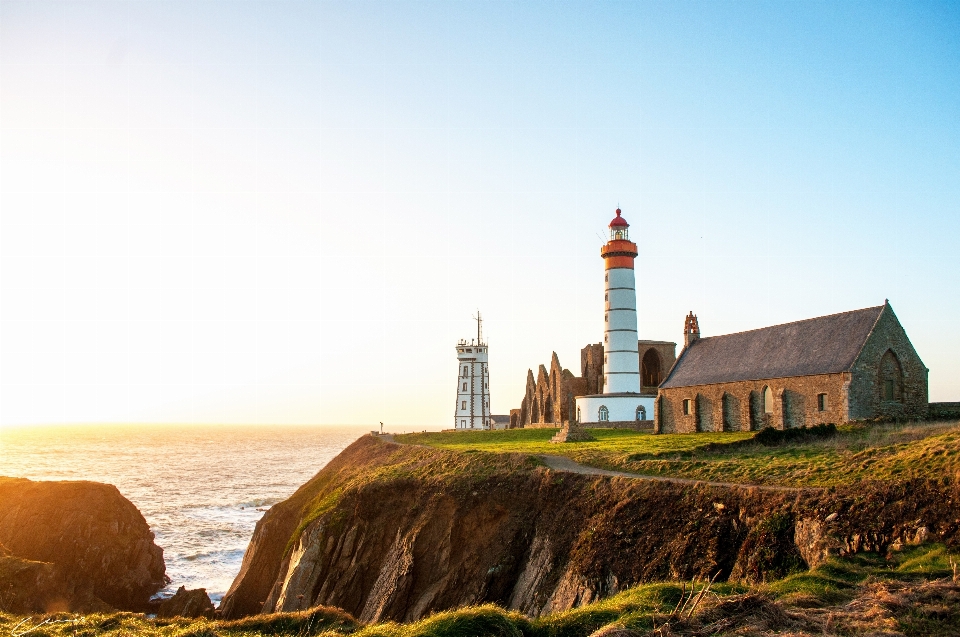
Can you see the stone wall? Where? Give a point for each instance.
(666, 356)
(943, 411)
(739, 406)
(591, 368)
(874, 368)
(633, 425)
(547, 399)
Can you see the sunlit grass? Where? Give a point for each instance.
(856, 452)
(834, 583)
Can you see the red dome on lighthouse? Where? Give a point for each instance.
(618, 221)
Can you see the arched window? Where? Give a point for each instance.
(641, 413)
(604, 414)
(650, 369)
(767, 400)
(891, 378)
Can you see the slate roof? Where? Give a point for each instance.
(822, 345)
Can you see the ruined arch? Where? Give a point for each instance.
(651, 369)
(890, 377)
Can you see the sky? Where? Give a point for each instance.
(288, 212)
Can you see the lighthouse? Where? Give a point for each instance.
(621, 401)
(473, 383)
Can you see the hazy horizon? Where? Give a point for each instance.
(287, 212)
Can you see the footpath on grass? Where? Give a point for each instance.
(562, 463)
(565, 464)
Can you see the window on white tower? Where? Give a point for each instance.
(464, 387)
(463, 404)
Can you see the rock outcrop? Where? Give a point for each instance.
(395, 532)
(184, 603)
(78, 546)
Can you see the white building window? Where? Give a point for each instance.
(641, 413)
(463, 404)
(463, 423)
(821, 402)
(604, 414)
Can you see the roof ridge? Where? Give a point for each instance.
(815, 318)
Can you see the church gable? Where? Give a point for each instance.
(889, 378)
(822, 345)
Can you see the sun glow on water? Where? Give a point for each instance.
(202, 488)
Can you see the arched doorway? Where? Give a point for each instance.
(651, 371)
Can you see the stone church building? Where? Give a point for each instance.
(854, 365)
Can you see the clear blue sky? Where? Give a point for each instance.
(288, 212)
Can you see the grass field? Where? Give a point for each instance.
(912, 592)
(856, 452)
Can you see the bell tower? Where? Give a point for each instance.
(691, 330)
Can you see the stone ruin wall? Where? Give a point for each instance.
(547, 395)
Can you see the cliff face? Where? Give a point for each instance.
(394, 532)
(74, 546)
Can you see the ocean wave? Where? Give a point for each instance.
(224, 555)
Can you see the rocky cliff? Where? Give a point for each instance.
(394, 532)
(76, 546)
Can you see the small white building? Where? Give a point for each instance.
(473, 384)
(621, 400)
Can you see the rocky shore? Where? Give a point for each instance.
(74, 546)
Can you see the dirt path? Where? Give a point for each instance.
(562, 463)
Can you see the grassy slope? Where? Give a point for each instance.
(857, 452)
(911, 591)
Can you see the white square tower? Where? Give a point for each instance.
(473, 383)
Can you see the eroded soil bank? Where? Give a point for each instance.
(395, 532)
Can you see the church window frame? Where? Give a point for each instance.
(822, 402)
(687, 407)
(766, 397)
(890, 376)
(603, 414)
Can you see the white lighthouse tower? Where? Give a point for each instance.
(473, 383)
(621, 400)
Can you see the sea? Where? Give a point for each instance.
(201, 488)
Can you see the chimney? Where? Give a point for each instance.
(691, 330)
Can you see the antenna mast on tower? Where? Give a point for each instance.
(479, 321)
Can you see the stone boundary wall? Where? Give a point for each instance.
(943, 410)
(635, 425)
